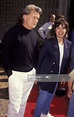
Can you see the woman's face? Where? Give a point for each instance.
(60, 31)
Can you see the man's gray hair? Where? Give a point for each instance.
(28, 8)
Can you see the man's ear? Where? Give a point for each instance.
(24, 17)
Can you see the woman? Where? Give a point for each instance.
(54, 59)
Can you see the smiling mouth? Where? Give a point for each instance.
(60, 34)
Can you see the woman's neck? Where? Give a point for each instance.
(60, 41)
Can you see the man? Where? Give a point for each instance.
(71, 81)
(45, 28)
(71, 94)
(19, 59)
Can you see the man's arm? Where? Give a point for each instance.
(42, 30)
(5, 52)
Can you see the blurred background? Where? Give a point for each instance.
(11, 9)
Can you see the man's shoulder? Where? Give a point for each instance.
(12, 31)
(33, 32)
(14, 28)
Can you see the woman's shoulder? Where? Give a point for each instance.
(50, 39)
(68, 41)
(48, 42)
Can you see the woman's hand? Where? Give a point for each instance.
(69, 94)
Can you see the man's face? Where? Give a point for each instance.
(31, 20)
(52, 18)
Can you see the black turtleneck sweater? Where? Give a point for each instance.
(19, 49)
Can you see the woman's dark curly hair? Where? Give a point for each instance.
(59, 21)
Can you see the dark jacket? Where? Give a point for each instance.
(49, 61)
